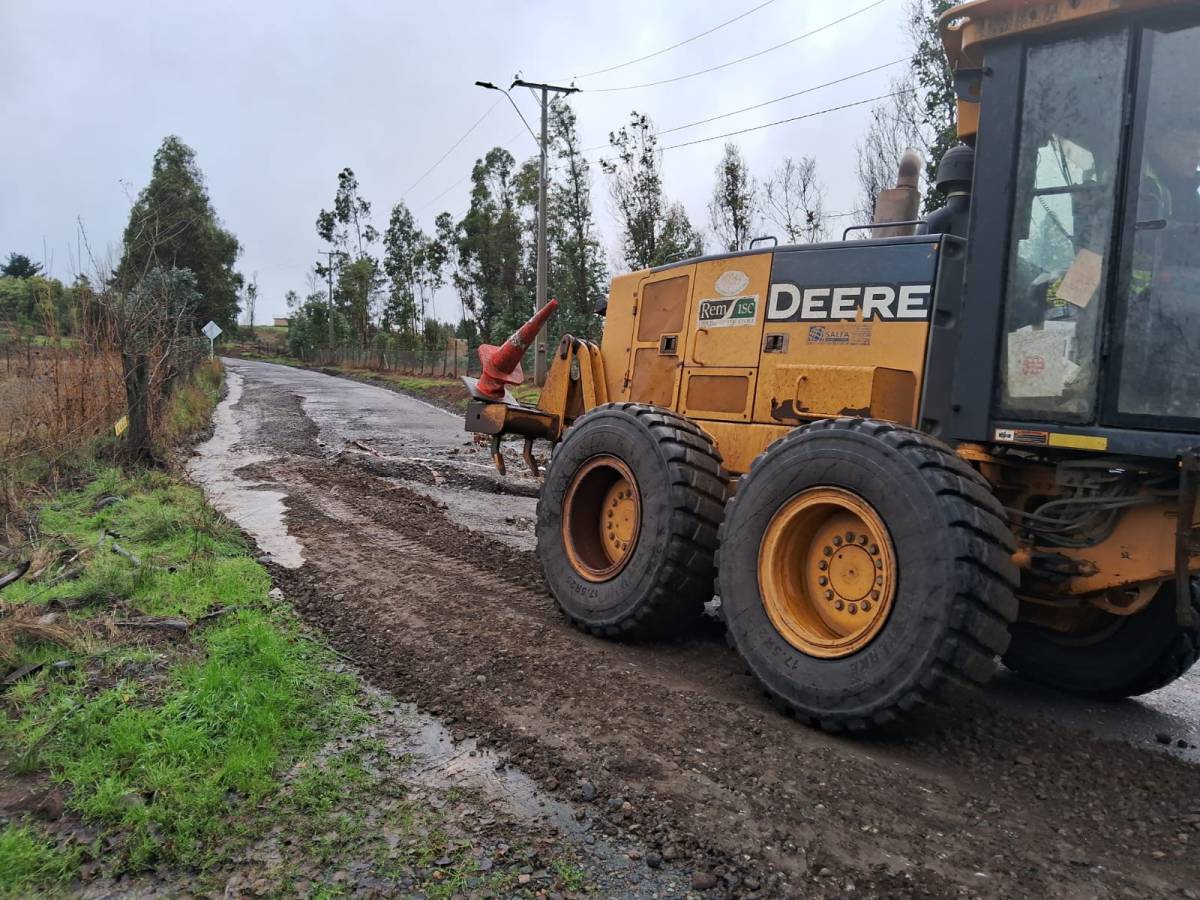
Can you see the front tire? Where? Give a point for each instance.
(888, 521)
(1124, 656)
(627, 521)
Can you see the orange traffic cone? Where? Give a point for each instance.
(502, 365)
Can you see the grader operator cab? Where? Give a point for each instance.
(897, 459)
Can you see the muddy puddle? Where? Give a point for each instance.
(257, 508)
(444, 763)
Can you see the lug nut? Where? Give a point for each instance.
(837, 540)
(862, 539)
(829, 595)
(879, 581)
(866, 606)
(828, 551)
(839, 606)
(822, 565)
(822, 581)
(874, 595)
(853, 609)
(874, 549)
(879, 563)
(850, 536)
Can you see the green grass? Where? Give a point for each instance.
(192, 403)
(27, 860)
(178, 755)
(247, 353)
(167, 748)
(573, 878)
(39, 340)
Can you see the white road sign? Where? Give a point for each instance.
(211, 330)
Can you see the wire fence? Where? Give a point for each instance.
(428, 363)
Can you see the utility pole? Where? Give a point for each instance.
(540, 350)
(329, 309)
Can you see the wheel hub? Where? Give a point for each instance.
(620, 518)
(601, 518)
(827, 572)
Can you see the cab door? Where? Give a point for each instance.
(655, 355)
(724, 337)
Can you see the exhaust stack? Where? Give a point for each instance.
(901, 203)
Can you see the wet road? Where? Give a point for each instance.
(352, 416)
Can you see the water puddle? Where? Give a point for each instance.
(258, 509)
(445, 764)
(508, 519)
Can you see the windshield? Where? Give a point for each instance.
(1065, 199)
(1160, 370)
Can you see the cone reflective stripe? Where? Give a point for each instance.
(502, 365)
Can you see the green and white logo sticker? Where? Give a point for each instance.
(728, 311)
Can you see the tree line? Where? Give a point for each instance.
(143, 308)
(376, 288)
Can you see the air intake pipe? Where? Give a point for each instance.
(955, 174)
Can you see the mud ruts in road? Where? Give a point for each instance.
(417, 563)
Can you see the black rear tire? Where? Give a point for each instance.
(1135, 655)
(669, 574)
(953, 600)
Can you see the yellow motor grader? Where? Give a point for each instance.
(899, 458)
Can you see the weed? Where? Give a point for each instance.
(573, 878)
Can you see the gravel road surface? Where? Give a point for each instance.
(390, 532)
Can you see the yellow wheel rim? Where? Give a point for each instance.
(827, 572)
(602, 516)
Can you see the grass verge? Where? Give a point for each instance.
(171, 695)
(168, 721)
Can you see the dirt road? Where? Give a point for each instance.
(392, 536)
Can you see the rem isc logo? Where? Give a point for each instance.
(842, 303)
(728, 311)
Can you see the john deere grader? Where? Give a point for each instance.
(897, 459)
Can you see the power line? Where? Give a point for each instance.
(453, 146)
(786, 96)
(430, 203)
(694, 37)
(734, 62)
(819, 112)
(736, 112)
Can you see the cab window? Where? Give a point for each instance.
(1160, 352)
(1065, 198)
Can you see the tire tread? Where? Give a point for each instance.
(698, 487)
(982, 607)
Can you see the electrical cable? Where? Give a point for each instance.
(694, 37)
(809, 90)
(453, 146)
(735, 112)
(734, 62)
(819, 112)
(430, 203)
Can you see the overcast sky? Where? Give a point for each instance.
(277, 97)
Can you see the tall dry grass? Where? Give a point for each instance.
(59, 395)
(56, 394)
